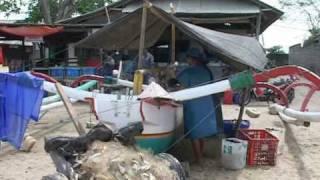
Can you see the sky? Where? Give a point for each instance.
(290, 31)
(293, 29)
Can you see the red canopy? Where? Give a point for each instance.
(30, 31)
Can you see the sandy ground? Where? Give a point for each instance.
(300, 158)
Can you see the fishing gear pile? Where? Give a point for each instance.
(105, 155)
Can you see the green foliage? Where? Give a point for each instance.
(315, 31)
(272, 53)
(10, 6)
(84, 6)
(35, 15)
(310, 9)
(34, 12)
(275, 50)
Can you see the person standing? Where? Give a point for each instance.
(147, 63)
(108, 65)
(200, 120)
(147, 60)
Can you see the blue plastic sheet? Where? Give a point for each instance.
(20, 100)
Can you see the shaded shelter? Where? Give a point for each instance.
(50, 44)
(20, 57)
(124, 33)
(249, 17)
(22, 31)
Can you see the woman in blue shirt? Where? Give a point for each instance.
(199, 114)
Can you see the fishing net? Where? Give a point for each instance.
(112, 160)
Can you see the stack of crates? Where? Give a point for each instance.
(88, 70)
(70, 73)
(56, 72)
(73, 72)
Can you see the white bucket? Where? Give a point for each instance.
(234, 153)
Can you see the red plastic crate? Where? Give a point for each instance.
(262, 146)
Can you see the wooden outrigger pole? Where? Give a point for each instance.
(142, 33)
(258, 24)
(173, 37)
(243, 96)
(73, 115)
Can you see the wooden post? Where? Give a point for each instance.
(173, 38)
(107, 13)
(120, 70)
(242, 106)
(142, 34)
(258, 25)
(70, 109)
(24, 59)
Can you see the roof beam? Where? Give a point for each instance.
(242, 19)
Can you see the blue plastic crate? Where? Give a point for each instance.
(88, 70)
(229, 125)
(56, 72)
(73, 72)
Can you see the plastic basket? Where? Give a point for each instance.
(56, 72)
(262, 146)
(72, 72)
(88, 70)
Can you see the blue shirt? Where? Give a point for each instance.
(20, 100)
(197, 121)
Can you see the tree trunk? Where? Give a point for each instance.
(66, 8)
(45, 10)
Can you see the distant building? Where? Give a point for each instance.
(13, 54)
(307, 56)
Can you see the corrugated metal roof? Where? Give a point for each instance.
(201, 6)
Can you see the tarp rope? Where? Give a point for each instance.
(190, 130)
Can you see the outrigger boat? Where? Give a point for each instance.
(160, 110)
(155, 107)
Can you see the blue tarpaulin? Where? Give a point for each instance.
(20, 100)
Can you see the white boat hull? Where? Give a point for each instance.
(118, 111)
(156, 119)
